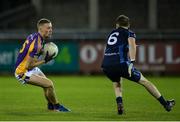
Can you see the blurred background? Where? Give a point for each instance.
(80, 31)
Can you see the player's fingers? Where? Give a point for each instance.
(129, 71)
(53, 54)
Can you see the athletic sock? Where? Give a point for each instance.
(162, 101)
(56, 106)
(119, 100)
(50, 106)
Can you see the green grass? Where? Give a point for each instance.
(89, 98)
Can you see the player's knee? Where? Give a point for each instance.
(144, 82)
(117, 84)
(49, 84)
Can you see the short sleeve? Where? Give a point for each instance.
(132, 34)
(34, 47)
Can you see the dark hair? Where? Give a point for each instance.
(42, 21)
(122, 20)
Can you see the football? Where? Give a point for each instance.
(51, 48)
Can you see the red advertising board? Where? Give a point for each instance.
(156, 56)
(91, 55)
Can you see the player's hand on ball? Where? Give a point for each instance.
(49, 57)
(41, 51)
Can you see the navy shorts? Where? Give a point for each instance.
(114, 73)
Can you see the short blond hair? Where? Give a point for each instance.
(42, 21)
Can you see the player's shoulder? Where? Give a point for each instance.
(33, 36)
(130, 31)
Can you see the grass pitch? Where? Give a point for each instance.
(89, 98)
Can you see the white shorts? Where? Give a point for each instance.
(25, 77)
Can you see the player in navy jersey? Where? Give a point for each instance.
(119, 56)
(26, 67)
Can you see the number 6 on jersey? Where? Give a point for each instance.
(113, 38)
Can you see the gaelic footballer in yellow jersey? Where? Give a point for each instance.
(32, 47)
(26, 67)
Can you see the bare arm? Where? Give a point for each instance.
(132, 48)
(33, 62)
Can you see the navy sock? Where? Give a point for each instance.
(50, 106)
(162, 100)
(119, 99)
(56, 106)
